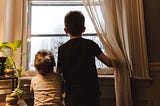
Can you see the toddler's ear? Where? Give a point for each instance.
(84, 28)
(66, 30)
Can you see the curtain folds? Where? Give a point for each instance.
(6, 21)
(11, 21)
(120, 27)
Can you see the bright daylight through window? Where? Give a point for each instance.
(46, 24)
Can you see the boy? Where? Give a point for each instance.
(76, 62)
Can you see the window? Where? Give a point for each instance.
(46, 24)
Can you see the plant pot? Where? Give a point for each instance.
(2, 67)
(7, 104)
(20, 102)
(11, 100)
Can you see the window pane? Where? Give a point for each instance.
(50, 19)
(52, 43)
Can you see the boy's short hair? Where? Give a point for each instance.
(74, 22)
(44, 61)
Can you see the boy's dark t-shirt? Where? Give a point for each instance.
(76, 58)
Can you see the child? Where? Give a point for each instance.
(76, 62)
(47, 85)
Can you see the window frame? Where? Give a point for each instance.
(53, 3)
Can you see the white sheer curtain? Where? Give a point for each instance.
(11, 21)
(120, 27)
(6, 21)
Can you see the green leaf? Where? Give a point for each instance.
(17, 44)
(9, 62)
(19, 72)
(8, 45)
(1, 47)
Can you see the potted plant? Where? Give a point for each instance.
(10, 66)
(11, 69)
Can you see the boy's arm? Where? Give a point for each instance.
(102, 57)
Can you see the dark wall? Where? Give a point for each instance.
(152, 21)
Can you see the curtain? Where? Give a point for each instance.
(5, 19)
(120, 25)
(11, 22)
